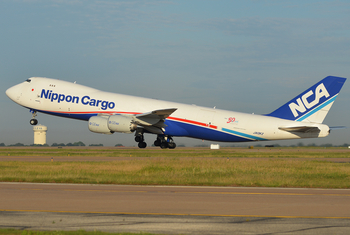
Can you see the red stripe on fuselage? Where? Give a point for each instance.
(171, 118)
(193, 122)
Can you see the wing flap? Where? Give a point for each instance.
(154, 130)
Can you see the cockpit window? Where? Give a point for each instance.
(28, 80)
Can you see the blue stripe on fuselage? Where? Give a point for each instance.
(79, 116)
(243, 134)
(175, 128)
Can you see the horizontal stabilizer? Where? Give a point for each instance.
(302, 129)
(337, 127)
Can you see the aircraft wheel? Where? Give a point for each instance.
(142, 145)
(164, 145)
(157, 142)
(172, 145)
(33, 122)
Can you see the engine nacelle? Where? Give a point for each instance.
(121, 123)
(99, 124)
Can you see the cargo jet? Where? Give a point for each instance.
(107, 112)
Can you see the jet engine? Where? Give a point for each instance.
(99, 124)
(111, 124)
(121, 123)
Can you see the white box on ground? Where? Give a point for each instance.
(214, 146)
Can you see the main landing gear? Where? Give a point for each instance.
(163, 141)
(140, 139)
(33, 121)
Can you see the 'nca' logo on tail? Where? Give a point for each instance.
(303, 103)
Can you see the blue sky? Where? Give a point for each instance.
(248, 56)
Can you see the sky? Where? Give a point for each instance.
(248, 56)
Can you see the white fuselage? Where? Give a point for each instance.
(72, 100)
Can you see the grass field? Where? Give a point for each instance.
(284, 152)
(275, 167)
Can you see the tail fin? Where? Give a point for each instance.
(313, 104)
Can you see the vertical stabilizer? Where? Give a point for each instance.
(313, 104)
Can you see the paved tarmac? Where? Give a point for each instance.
(174, 210)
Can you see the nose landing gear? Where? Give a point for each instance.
(33, 121)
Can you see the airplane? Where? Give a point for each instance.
(107, 112)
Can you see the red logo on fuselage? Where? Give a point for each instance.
(231, 119)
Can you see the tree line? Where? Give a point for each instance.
(79, 143)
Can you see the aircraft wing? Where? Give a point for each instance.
(302, 129)
(153, 117)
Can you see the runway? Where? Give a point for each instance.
(166, 209)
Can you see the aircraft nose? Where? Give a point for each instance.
(13, 92)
